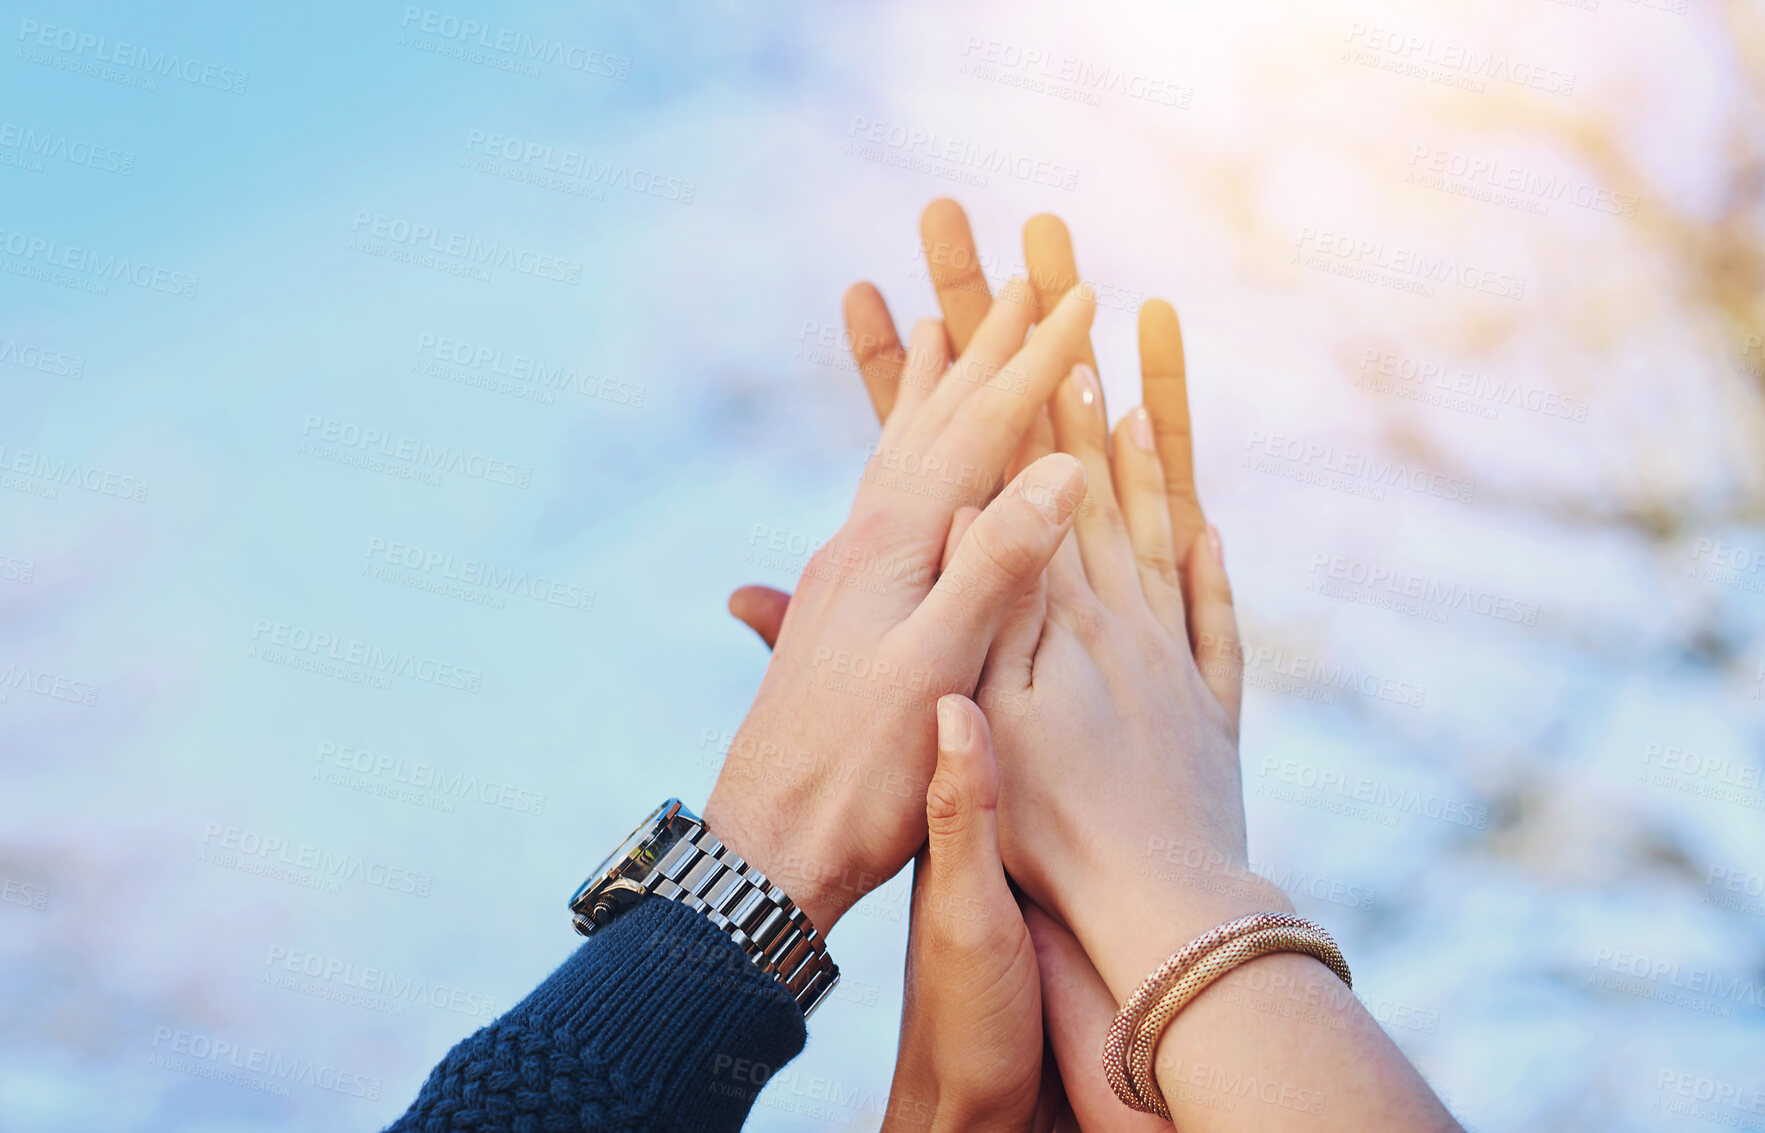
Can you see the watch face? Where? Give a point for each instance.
(645, 831)
(630, 862)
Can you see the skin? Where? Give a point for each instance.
(1077, 997)
(825, 784)
(1133, 638)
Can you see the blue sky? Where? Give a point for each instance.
(503, 379)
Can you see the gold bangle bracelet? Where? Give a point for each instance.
(1308, 940)
(1133, 1037)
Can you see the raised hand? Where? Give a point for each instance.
(963, 295)
(824, 785)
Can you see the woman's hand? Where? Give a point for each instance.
(823, 788)
(1124, 813)
(971, 1019)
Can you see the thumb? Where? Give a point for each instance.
(1000, 557)
(964, 873)
(761, 609)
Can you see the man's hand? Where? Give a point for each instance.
(823, 789)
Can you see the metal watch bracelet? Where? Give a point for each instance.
(698, 871)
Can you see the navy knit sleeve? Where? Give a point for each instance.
(658, 1022)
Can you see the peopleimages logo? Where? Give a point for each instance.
(1457, 61)
(1398, 266)
(251, 852)
(470, 251)
(1431, 596)
(29, 356)
(877, 140)
(222, 1055)
(367, 986)
(516, 45)
(569, 162)
(77, 46)
(74, 151)
(53, 474)
(346, 435)
(89, 270)
(1369, 473)
(1524, 183)
(495, 362)
(391, 769)
(276, 640)
(442, 565)
(55, 686)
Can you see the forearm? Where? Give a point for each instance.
(1278, 1042)
(656, 1023)
(1281, 1044)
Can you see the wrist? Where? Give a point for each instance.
(1130, 922)
(796, 858)
(919, 1104)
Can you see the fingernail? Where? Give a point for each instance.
(1140, 425)
(1213, 544)
(1086, 379)
(1055, 484)
(955, 729)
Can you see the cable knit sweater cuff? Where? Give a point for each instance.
(657, 1022)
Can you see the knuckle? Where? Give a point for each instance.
(1003, 552)
(1217, 591)
(1181, 493)
(1172, 426)
(1157, 561)
(1109, 513)
(1087, 619)
(947, 812)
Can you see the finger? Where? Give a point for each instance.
(955, 268)
(761, 609)
(1165, 394)
(926, 359)
(1077, 1010)
(1066, 567)
(1213, 623)
(1001, 556)
(1139, 489)
(1067, 584)
(1047, 252)
(990, 421)
(905, 433)
(1036, 444)
(983, 364)
(959, 525)
(1100, 531)
(1011, 662)
(962, 811)
(875, 345)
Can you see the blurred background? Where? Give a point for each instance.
(390, 396)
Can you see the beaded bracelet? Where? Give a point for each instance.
(1128, 1049)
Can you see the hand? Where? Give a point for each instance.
(963, 296)
(824, 783)
(1124, 814)
(982, 975)
(971, 1019)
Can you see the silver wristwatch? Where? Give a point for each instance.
(673, 856)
